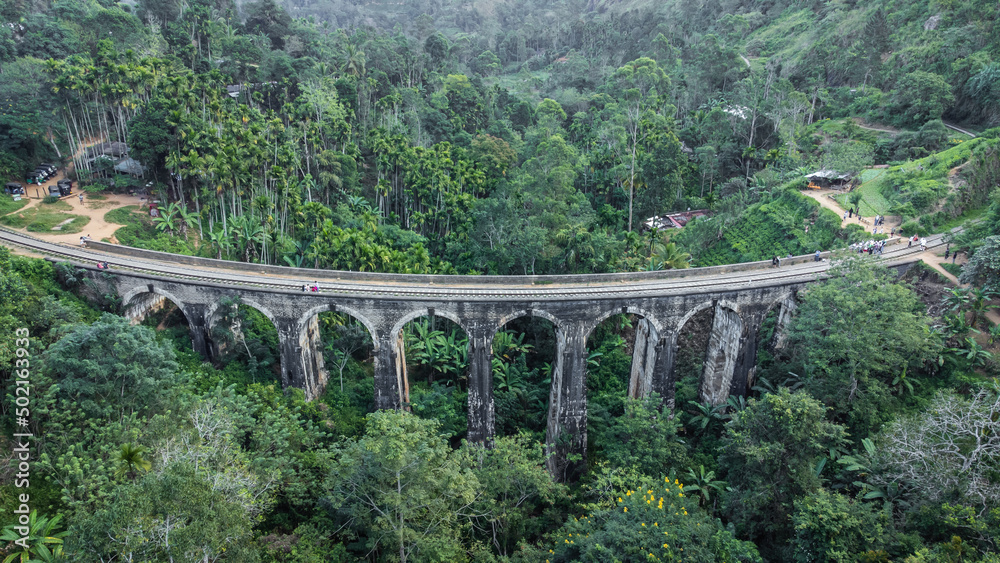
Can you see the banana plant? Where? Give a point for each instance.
(903, 384)
(705, 414)
(973, 354)
(703, 483)
(44, 544)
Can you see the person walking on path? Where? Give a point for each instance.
(845, 216)
(81, 197)
(850, 212)
(923, 244)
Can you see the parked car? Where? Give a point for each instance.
(54, 191)
(65, 187)
(35, 177)
(13, 188)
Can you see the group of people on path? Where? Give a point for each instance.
(877, 222)
(923, 242)
(870, 247)
(314, 287)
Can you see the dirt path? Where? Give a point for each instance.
(824, 199)
(863, 125)
(959, 129)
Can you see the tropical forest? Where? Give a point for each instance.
(501, 140)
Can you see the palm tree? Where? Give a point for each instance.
(354, 61)
(186, 220)
(665, 255)
(44, 543)
(131, 461)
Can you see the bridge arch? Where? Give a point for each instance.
(628, 310)
(514, 315)
(725, 303)
(428, 312)
(306, 318)
(131, 304)
(213, 309)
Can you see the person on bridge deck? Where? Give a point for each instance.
(305, 287)
(817, 256)
(315, 286)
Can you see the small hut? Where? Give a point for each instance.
(827, 178)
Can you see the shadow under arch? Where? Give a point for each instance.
(220, 346)
(630, 370)
(698, 351)
(433, 356)
(525, 354)
(529, 313)
(772, 333)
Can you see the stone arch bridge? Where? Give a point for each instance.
(741, 295)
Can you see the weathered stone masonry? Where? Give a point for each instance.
(728, 365)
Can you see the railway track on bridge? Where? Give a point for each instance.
(383, 286)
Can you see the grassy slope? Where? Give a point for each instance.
(45, 216)
(8, 205)
(936, 165)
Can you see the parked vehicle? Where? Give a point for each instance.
(13, 188)
(54, 191)
(65, 187)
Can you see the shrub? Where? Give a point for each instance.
(913, 227)
(50, 199)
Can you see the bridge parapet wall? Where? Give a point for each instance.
(341, 275)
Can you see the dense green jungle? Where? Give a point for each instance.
(504, 137)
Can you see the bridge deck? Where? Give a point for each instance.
(475, 288)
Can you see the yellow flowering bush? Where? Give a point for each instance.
(653, 522)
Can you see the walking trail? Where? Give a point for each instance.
(824, 199)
